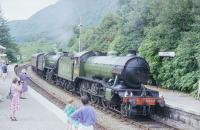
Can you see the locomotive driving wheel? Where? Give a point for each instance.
(82, 91)
(105, 103)
(94, 99)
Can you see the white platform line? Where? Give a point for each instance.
(50, 106)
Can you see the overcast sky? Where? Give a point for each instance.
(22, 9)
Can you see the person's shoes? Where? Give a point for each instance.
(22, 98)
(1, 99)
(13, 119)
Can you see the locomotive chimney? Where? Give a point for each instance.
(132, 52)
(65, 52)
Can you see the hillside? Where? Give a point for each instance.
(56, 22)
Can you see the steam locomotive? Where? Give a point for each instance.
(114, 82)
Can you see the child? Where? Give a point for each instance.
(69, 109)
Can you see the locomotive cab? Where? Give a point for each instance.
(51, 65)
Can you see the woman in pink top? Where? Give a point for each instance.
(15, 92)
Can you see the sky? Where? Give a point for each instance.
(22, 9)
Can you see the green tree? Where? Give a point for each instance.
(6, 40)
(152, 26)
(177, 29)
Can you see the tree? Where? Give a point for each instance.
(6, 40)
(152, 26)
(176, 29)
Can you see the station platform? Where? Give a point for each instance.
(36, 112)
(179, 100)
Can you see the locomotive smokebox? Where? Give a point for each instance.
(136, 72)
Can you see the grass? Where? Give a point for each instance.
(29, 48)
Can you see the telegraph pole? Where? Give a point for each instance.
(80, 25)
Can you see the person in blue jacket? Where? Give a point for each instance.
(85, 115)
(4, 70)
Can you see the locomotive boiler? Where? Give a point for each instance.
(115, 82)
(131, 70)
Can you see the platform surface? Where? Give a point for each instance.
(36, 113)
(179, 100)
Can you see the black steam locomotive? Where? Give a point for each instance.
(115, 82)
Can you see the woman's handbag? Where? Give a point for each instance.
(10, 95)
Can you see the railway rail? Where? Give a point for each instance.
(138, 123)
(47, 95)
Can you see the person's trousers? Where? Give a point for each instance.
(4, 75)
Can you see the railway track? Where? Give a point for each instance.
(140, 123)
(47, 95)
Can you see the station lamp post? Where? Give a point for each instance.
(81, 29)
(169, 55)
(80, 26)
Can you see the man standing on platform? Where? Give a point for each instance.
(85, 115)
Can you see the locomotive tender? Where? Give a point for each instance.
(115, 82)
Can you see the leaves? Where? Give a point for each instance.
(6, 40)
(152, 26)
